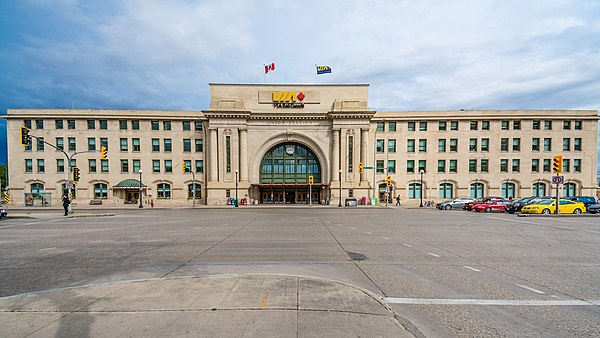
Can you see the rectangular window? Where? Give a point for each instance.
(547, 125)
(350, 154)
(187, 145)
(124, 166)
(442, 125)
(535, 165)
(485, 165)
(516, 165)
(411, 126)
(60, 166)
(154, 125)
(72, 144)
(453, 144)
(566, 165)
(28, 166)
(137, 165)
(166, 125)
(135, 125)
(546, 165)
(168, 145)
(92, 165)
(410, 145)
(453, 168)
(155, 166)
(577, 144)
(199, 166)
(504, 144)
(123, 144)
(442, 145)
(517, 125)
(71, 124)
(391, 126)
(504, 165)
(91, 124)
(135, 144)
(39, 124)
(380, 146)
(155, 144)
(228, 153)
(185, 126)
(40, 144)
(410, 166)
(58, 124)
(535, 125)
(485, 144)
(547, 144)
(391, 166)
(535, 144)
(577, 165)
(505, 125)
(380, 166)
(73, 162)
(380, 126)
(104, 166)
(516, 144)
(197, 126)
(566, 144)
(391, 146)
(485, 125)
(104, 142)
(41, 166)
(422, 126)
(473, 144)
(168, 166)
(199, 144)
(91, 143)
(453, 125)
(474, 125)
(422, 165)
(578, 125)
(566, 125)
(441, 166)
(122, 124)
(103, 124)
(27, 123)
(472, 166)
(423, 145)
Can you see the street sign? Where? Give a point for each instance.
(558, 179)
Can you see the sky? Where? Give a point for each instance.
(415, 55)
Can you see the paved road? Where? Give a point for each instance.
(443, 273)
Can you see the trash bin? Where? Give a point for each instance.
(375, 201)
(236, 202)
(363, 201)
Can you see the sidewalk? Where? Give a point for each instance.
(217, 306)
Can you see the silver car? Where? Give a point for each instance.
(455, 203)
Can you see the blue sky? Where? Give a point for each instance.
(416, 55)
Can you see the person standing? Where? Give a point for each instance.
(65, 202)
(398, 201)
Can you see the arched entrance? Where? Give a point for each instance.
(285, 173)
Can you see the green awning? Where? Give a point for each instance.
(128, 184)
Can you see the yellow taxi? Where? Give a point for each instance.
(549, 206)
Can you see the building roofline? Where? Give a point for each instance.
(290, 84)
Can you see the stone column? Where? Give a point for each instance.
(243, 155)
(213, 177)
(335, 156)
(364, 140)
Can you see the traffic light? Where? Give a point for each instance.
(184, 167)
(361, 167)
(311, 180)
(557, 164)
(388, 181)
(25, 137)
(76, 175)
(103, 153)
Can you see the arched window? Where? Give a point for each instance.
(414, 190)
(65, 191)
(289, 163)
(538, 189)
(191, 191)
(569, 189)
(37, 188)
(508, 190)
(163, 191)
(476, 190)
(446, 190)
(100, 191)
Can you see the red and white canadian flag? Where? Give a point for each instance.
(269, 67)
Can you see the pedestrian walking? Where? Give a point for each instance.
(65, 202)
(398, 201)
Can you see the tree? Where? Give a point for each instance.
(4, 175)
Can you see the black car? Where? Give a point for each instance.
(593, 208)
(516, 206)
(586, 200)
(3, 213)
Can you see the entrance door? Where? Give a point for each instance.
(132, 196)
(290, 197)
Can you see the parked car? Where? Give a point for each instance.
(549, 206)
(491, 205)
(455, 203)
(587, 200)
(594, 208)
(516, 206)
(3, 213)
(470, 205)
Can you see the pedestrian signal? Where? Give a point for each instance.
(557, 164)
(76, 174)
(311, 180)
(103, 153)
(388, 181)
(25, 137)
(361, 167)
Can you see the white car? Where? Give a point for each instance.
(455, 203)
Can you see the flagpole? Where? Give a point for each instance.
(315, 74)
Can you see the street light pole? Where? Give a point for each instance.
(236, 188)
(141, 185)
(421, 189)
(340, 178)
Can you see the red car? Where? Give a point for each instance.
(492, 205)
(471, 205)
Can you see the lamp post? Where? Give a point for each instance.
(340, 177)
(236, 189)
(141, 185)
(421, 190)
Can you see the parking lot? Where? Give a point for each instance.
(443, 273)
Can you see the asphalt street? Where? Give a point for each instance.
(444, 273)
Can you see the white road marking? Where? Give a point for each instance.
(340, 225)
(472, 268)
(531, 289)
(504, 302)
(47, 249)
(353, 228)
(385, 238)
(407, 245)
(47, 221)
(368, 233)
(7, 226)
(434, 255)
